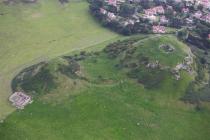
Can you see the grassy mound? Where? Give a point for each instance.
(144, 60)
(96, 99)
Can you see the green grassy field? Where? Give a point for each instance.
(112, 106)
(30, 33)
(108, 106)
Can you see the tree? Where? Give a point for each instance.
(182, 34)
(127, 10)
(176, 22)
(202, 30)
(203, 61)
(169, 13)
(127, 30)
(145, 4)
(200, 7)
(178, 6)
(112, 8)
(74, 66)
(96, 5)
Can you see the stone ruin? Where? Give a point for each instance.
(153, 65)
(185, 65)
(167, 48)
(20, 100)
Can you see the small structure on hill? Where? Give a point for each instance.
(20, 100)
(167, 48)
(153, 65)
(185, 65)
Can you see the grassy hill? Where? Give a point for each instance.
(30, 33)
(94, 97)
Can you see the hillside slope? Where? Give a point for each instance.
(92, 95)
(30, 33)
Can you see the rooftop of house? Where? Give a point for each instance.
(154, 10)
(158, 29)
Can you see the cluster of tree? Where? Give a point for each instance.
(174, 15)
(40, 78)
(202, 43)
(150, 78)
(195, 96)
(197, 37)
(135, 63)
(197, 91)
(115, 49)
(126, 10)
(80, 56)
(34, 80)
(139, 27)
(71, 69)
(202, 29)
